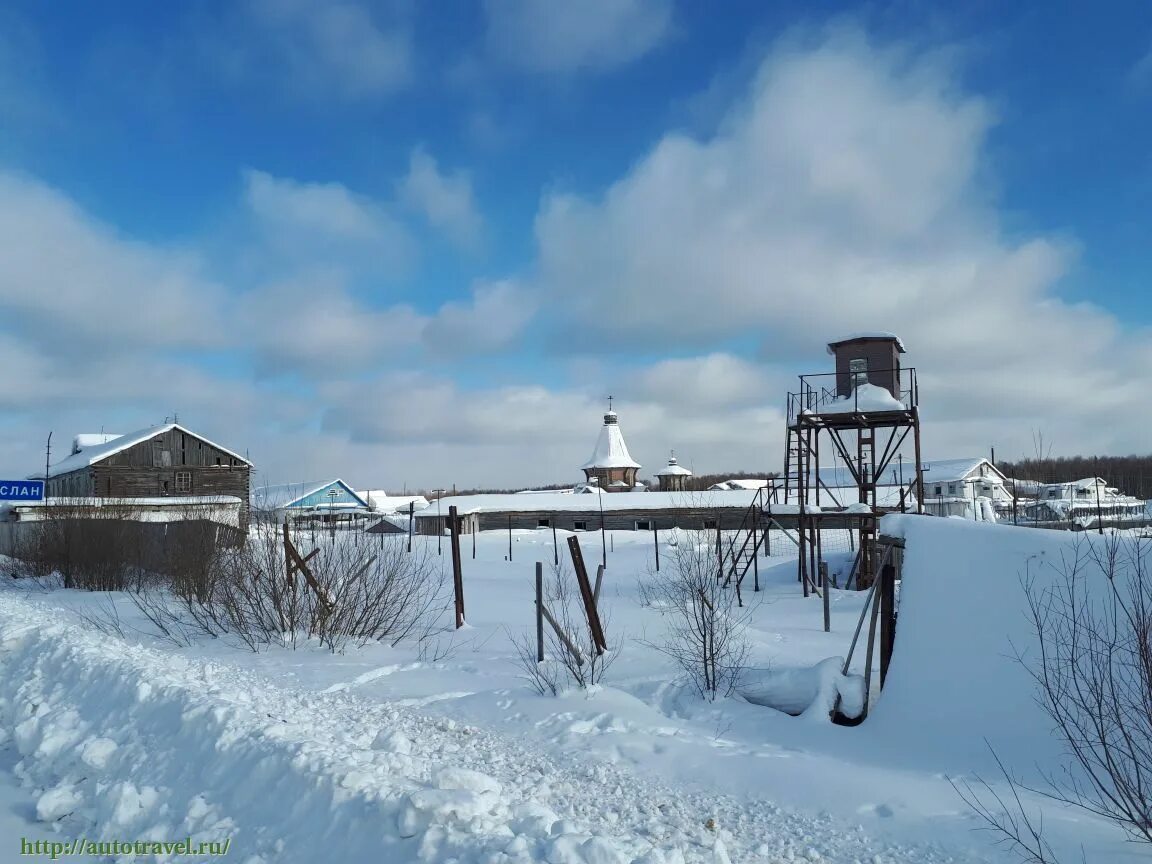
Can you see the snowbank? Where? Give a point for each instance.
(809, 693)
(954, 680)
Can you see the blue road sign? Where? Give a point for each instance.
(21, 490)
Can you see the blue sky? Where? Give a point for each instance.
(414, 244)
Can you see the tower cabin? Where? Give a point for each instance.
(872, 358)
(673, 476)
(611, 465)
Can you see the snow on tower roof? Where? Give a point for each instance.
(673, 469)
(611, 451)
(91, 455)
(874, 334)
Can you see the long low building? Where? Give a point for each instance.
(622, 511)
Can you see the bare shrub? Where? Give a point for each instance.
(1093, 674)
(707, 630)
(574, 660)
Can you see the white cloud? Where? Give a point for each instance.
(314, 223)
(83, 288)
(492, 321)
(594, 35)
(325, 49)
(445, 200)
(312, 326)
(846, 191)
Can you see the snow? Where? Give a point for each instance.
(750, 483)
(673, 469)
(93, 454)
(866, 397)
(382, 502)
(445, 754)
(611, 451)
(93, 439)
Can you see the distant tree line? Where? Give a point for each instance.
(1130, 474)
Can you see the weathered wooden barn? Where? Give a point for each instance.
(157, 462)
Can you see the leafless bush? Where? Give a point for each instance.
(706, 633)
(1093, 673)
(575, 659)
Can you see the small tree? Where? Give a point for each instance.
(1093, 674)
(707, 630)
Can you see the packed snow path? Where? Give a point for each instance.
(122, 741)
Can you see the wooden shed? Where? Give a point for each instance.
(867, 357)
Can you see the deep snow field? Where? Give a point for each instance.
(444, 753)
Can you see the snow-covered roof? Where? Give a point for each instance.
(382, 502)
(955, 470)
(89, 456)
(611, 451)
(887, 497)
(673, 469)
(281, 495)
(873, 334)
(93, 439)
(513, 503)
(749, 483)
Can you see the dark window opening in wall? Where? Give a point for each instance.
(543, 523)
(643, 524)
(710, 524)
(163, 487)
(217, 461)
(939, 490)
(858, 368)
(183, 481)
(579, 525)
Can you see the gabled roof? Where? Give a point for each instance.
(611, 451)
(284, 495)
(955, 470)
(89, 456)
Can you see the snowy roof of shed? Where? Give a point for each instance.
(875, 334)
(611, 451)
(93, 439)
(89, 456)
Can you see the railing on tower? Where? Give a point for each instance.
(820, 392)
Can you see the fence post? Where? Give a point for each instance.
(411, 521)
(509, 537)
(656, 544)
(587, 596)
(827, 596)
(457, 570)
(539, 612)
(555, 548)
(887, 618)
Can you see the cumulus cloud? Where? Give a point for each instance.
(492, 320)
(845, 191)
(445, 200)
(84, 289)
(322, 50)
(325, 223)
(314, 327)
(559, 38)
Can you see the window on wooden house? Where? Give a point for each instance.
(543, 523)
(939, 490)
(951, 488)
(217, 461)
(183, 481)
(710, 524)
(643, 524)
(580, 525)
